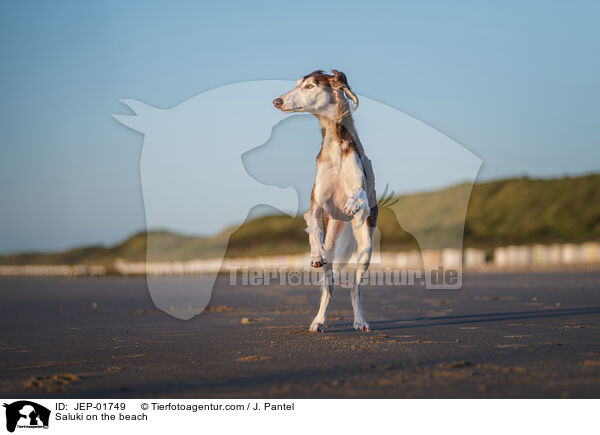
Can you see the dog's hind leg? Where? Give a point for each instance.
(334, 228)
(364, 240)
(314, 228)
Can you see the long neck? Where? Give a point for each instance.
(337, 133)
(339, 136)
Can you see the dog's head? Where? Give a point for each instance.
(320, 94)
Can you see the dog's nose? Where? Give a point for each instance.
(278, 102)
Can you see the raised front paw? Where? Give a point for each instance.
(318, 261)
(356, 202)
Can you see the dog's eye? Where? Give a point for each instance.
(309, 86)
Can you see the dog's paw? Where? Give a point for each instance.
(362, 326)
(316, 327)
(318, 261)
(355, 203)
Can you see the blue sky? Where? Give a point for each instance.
(517, 83)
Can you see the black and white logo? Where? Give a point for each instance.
(26, 414)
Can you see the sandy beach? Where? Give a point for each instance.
(503, 335)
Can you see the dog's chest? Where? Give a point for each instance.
(335, 178)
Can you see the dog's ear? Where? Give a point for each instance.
(341, 78)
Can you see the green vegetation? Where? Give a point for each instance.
(531, 210)
(512, 211)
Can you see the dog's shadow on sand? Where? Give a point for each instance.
(423, 321)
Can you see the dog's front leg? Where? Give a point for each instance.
(333, 231)
(314, 228)
(357, 204)
(318, 324)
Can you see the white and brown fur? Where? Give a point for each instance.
(344, 190)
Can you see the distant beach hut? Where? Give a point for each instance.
(432, 259)
(408, 260)
(524, 255)
(401, 260)
(415, 260)
(591, 252)
(554, 254)
(376, 259)
(541, 254)
(513, 256)
(474, 257)
(500, 257)
(452, 258)
(388, 260)
(571, 254)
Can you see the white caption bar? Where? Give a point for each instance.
(159, 416)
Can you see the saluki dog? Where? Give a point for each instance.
(344, 189)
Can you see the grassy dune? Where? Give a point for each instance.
(511, 211)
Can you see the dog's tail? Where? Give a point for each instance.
(387, 199)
